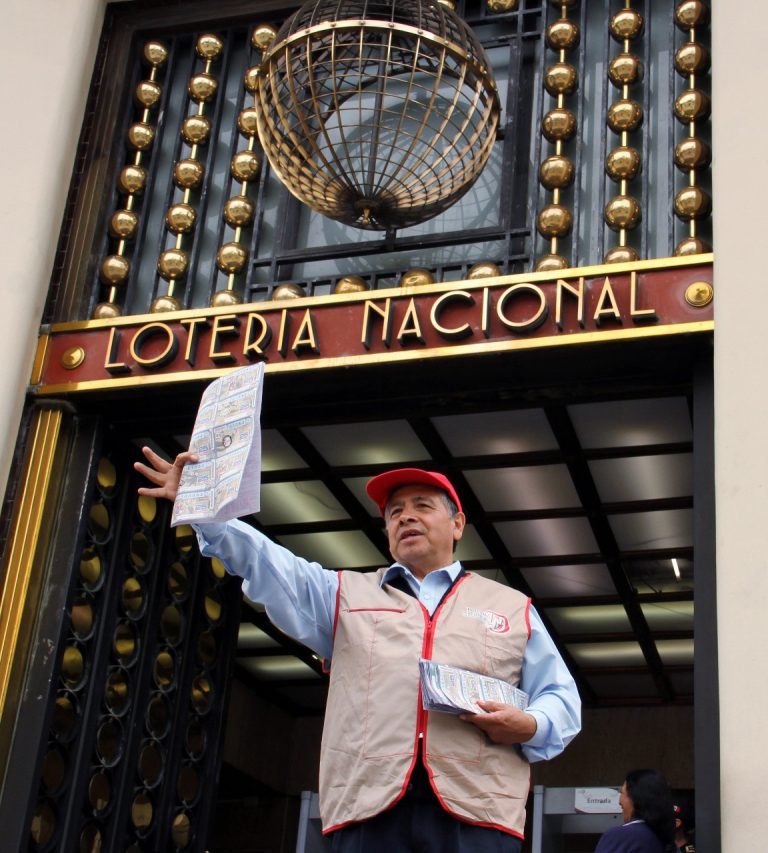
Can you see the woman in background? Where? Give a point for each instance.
(648, 812)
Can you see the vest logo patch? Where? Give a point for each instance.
(496, 622)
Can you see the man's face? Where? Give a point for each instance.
(420, 529)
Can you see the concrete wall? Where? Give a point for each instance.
(740, 126)
(46, 66)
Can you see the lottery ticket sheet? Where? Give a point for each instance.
(226, 481)
(456, 691)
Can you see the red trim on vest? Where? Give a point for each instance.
(528, 617)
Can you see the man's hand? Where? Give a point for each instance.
(503, 723)
(165, 475)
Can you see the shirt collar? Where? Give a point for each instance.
(453, 571)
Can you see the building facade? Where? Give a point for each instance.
(118, 643)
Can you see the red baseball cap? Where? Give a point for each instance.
(379, 488)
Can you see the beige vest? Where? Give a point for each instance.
(374, 715)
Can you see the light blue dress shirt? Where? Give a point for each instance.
(300, 599)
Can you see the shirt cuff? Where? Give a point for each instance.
(541, 736)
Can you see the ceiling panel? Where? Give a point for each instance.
(607, 654)
(301, 501)
(345, 549)
(570, 581)
(547, 537)
(640, 531)
(643, 478)
(590, 619)
(387, 442)
(515, 489)
(496, 433)
(632, 423)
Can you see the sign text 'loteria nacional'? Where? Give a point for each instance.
(489, 315)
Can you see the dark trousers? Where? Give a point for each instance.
(418, 824)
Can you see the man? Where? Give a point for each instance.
(393, 777)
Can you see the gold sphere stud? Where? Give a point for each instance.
(623, 163)
(195, 129)
(692, 246)
(449, 4)
(483, 269)
(141, 135)
(625, 69)
(560, 78)
(148, 93)
(164, 304)
(564, 4)
(247, 121)
(691, 58)
(238, 211)
(245, 165)
(556, 172)
(202, 87)
(622, 211)
(123, 224)
(263, 36)
(251, 78)
(106, 311)
(350, 284)
(289, 290)
(699, 294)
(225, 299)
(172, 264)
(209, 46)
(626, 24)
(624, 114)
(621, 255)
(692, 153)
(691, 14)
(692, 203)
(558, 125)
(231, 257)
(691, 105)
(132, 179)
(155, 53)
(416, 277)
(180, 218)
(562, 34)
(114, 269)
(551, 263)
(554, 220)
(188, 173)
(502, 5)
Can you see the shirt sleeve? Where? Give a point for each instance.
(554, 698)
(299, 596)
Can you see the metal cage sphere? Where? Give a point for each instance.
(377, 113)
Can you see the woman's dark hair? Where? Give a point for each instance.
(652, 802)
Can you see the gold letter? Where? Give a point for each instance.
(305, 337)
(386, 329)
(612, 310)
(190, 354)
(221, 326)
(112, 347)
(578, 292)
(459, 332)
(254, 348)
(532, 322)
(148, 331)
(640, 316)
(410, 326)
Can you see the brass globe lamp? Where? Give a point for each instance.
(377, 113)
